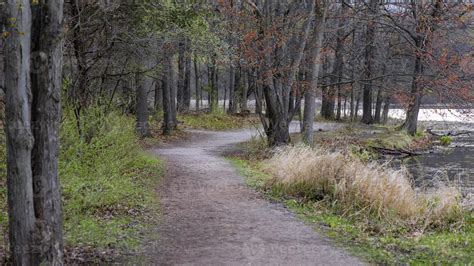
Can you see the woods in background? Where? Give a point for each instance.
(168, 57)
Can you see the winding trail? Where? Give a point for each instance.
(210, 217)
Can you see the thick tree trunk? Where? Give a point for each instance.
(168, 119)
(18, 131)
(411, 120)
(310, 94)
(369, 64)
(143, 84)
(46, 81)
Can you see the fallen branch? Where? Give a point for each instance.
(397, 152)
(449, 134)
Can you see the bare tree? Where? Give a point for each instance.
(18, 130)
(46, 81)
(310, 93)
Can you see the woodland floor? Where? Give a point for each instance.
(209, 215)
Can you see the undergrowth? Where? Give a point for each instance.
(217, 120)
(107, 183)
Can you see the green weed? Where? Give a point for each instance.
(107, 182)
(217, 121)
(446, 140)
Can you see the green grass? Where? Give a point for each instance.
(367, 238)
(446, 140)
(107, 183)
(217, 121)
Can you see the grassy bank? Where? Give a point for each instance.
(217, 120)
(107, 186)
(371, 209)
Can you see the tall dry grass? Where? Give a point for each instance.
(355, 187)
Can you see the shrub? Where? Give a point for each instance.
(107, 182)
(446, 140)
(353, 186)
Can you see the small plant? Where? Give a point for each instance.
(446, 140)
(419, 134)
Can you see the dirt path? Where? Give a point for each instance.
(210, 217)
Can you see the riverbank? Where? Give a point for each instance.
(378, 240)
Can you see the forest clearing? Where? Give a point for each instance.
(236, 132)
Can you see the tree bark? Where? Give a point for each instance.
(357, 105)
(310, 94)
(168, 119)
(18, 132)
(143, 84)
(181, 74)
(232, 77)
(411, 120)
(243, 97)
(378, 106)
(46, 81)
(197, 83)
(174, 94)
(386, 109)
(369, 64)
(235, 93)
(158, 95)
(187, 80)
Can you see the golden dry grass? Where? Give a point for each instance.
(357, 187)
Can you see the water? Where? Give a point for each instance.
(453, 164)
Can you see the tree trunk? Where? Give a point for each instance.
(235, 93)
(386, 109)
(351, 104)
(197, 83)
(411, 121)
(168, 119)
(310, 94)
(369, 64)
(158, 95)
(357, 106)
(174, 92)
(187, 81)
(79, 91)
(378, 106)
(232, 77)
(143, 84)
(181, 74)
(339, 103)
(277, 89)
(18, 132)
(46, 81)
(243, 96)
